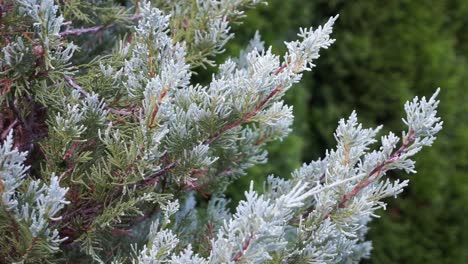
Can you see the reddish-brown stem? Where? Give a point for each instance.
(249, 114)
(95, 29)
(10, 127)
(375, 174)
(71, 150)
(280, 69)
(77, 87)
(67, 171)
(119, 231)
(84, 210)
(156, 108)
(210, 230)
(6, 83)
(260, 141)
(151, 179)
(240, 253)
(111, 252)
(25, 35)
(154, 177)
(209, 237)
(246, 117)
(80, 31)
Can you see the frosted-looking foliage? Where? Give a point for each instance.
(38, 205)
(327, 204)
(47, 26)
(12, 173)
(128, 158)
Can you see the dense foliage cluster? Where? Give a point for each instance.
(111, 152)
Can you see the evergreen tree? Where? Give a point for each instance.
(115, 155)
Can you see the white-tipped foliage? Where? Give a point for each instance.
(39, 204)
(12, 171)
(47, 24)
(161, 137)
(257, 228)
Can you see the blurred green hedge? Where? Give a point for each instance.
(386, 52)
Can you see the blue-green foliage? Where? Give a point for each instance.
(107, 158)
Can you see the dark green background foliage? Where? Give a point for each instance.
(386, 52)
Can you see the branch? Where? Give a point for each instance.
(156, 108)
(375, 174)
(251, 113)
(77, 87)
(10, 127)
(245, 118)
(95, 29)
(152, 178)
(240, 253)
(79, 31)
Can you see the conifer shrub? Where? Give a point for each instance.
(111, 153)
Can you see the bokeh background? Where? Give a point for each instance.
(386, 52)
